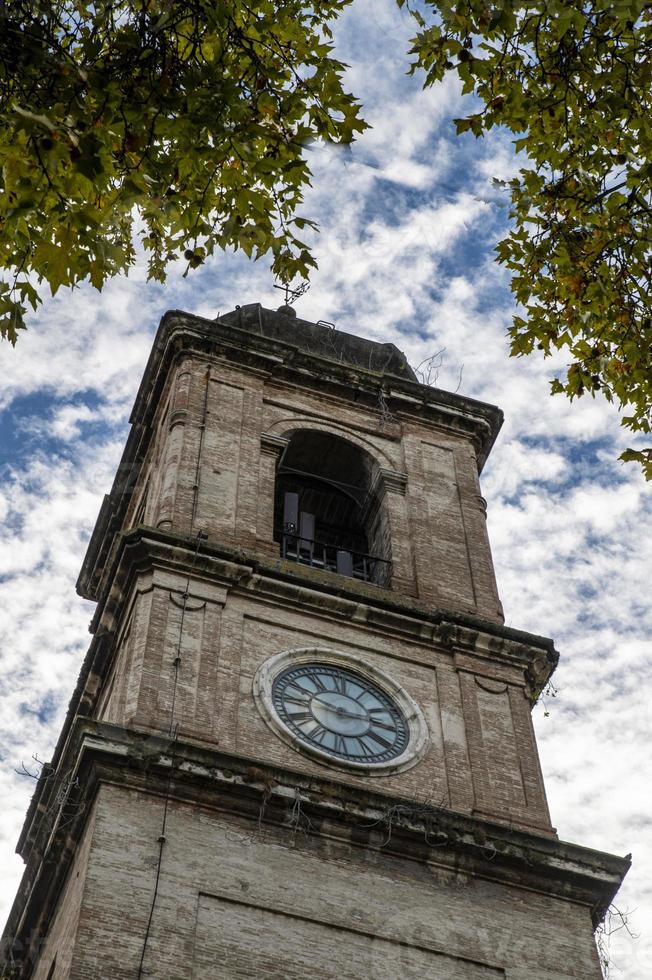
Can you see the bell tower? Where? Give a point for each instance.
(300, 744)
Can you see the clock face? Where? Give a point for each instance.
(341, 713)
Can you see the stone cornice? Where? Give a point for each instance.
(390, 481)
(98, 753)
(288, 583)
(273, 445)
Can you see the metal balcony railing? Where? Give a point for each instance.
(334, 558)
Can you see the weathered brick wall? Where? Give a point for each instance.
(482, 755)
(59, 945)
(210, 470)
(447, 523)
(238, 900)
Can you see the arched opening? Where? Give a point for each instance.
(328, 510)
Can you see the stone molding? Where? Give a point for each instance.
(273, 445)
(389, 481)
(177, 417)
(478, 644)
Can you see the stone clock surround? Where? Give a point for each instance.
(418, 728)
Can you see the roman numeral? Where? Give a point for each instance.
(297, 687)
(364, 749)
(299, 716)
(379, 738)
(292, 700)
(340, 684)
(381, 724)
(318, 733)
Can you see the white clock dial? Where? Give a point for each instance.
(340, 709)
(340, 712)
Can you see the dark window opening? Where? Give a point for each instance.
(327, 513)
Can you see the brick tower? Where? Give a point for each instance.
(300, 745)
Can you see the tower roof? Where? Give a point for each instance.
(322, 339)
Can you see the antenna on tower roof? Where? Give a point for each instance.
(292, 295)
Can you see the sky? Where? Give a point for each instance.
(408, 223)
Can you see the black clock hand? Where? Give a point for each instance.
(340, 711)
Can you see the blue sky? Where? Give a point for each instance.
(408, 222)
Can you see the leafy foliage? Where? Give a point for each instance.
(188, 122)
(573, 81)
(183, 119)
